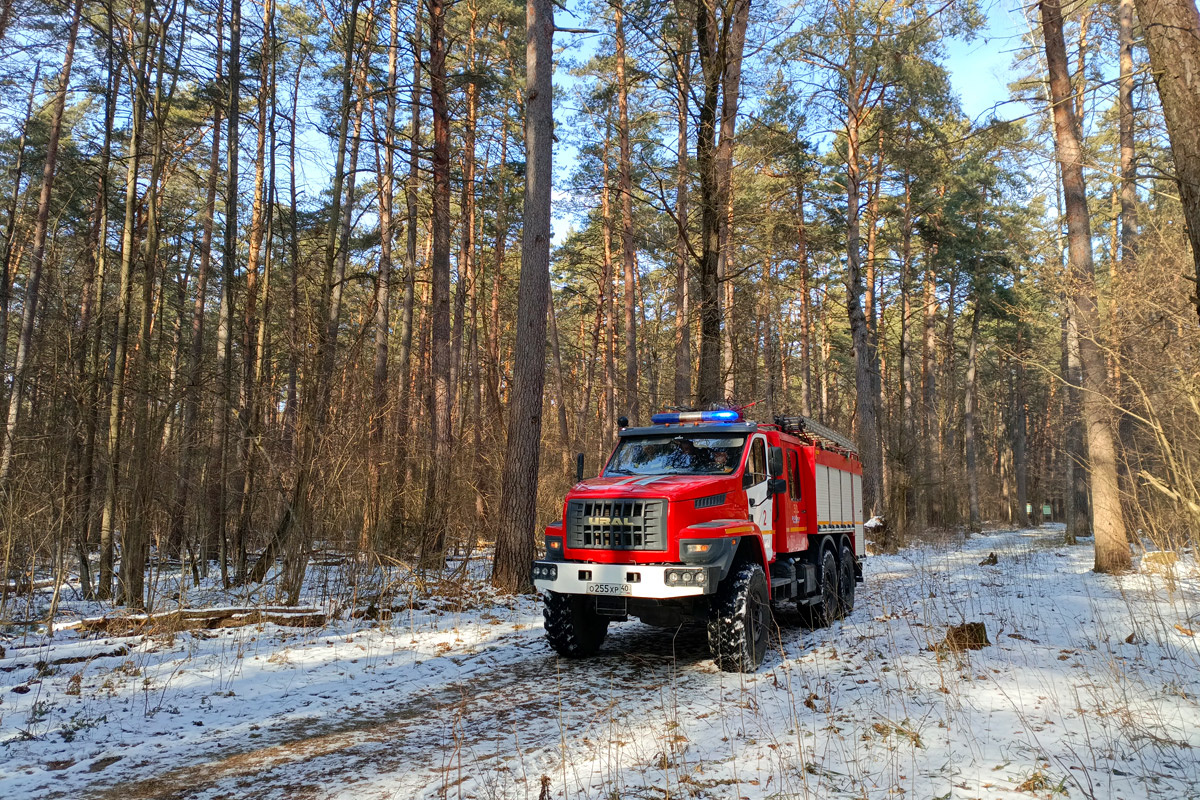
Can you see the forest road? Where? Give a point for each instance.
(493, 708)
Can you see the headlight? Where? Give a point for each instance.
(545, 572)
(687, 577)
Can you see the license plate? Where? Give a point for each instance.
(610, 588)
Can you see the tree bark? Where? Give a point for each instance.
(802, 267)
(709, 387)
(383, 281)
(412, 184)
(625, 190)
(191, 393)
(117, 394)
(433, 537)
(518, 503)
(868, 442)
(1112, 548)
(969, 401)
(1172, 29)
(683, 340)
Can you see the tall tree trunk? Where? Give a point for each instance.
(295, 519)
(976, 520)
(404, 401)
(904, 517)
(191, 393)
(625, 190)
(291, 408)
(518, 503)
(802, 267)
(1128, 227)
(136, 551)
(1019, 429)
(40, 228)
(607, 301)
(383, 282)
(733, 42)
(260, 213)
(868, 442)
(219, 477)
(434, 535)
(465, 284)
(709, 387)
(683, 340)
(493, 339)
(559, 391)
(1112, 548)
(117, 394)
(90, 365)
(929, 431)
(1172, 29)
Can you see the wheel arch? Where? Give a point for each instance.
(750, 551)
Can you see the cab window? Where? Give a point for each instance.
(756, 465)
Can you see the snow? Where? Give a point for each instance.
(1090, 686)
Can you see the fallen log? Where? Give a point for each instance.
(191, 619)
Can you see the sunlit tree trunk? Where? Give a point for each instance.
(1112, 549)
(1172, 29)
(518, 502)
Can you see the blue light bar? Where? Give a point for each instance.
(678, 417)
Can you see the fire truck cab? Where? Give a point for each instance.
(705, 515)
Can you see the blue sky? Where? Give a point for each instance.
(980, 69)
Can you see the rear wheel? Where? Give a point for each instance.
(846, 576)
(573, 627)
(829, 603)
(739, 625)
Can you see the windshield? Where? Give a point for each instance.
(676, 455)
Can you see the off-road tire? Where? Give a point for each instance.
(846, 577)
(573, 627)
(829, 605)
(739, 624)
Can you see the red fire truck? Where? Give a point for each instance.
(706, 515)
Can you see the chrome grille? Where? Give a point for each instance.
(617, 524)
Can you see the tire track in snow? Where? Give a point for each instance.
(498, 697)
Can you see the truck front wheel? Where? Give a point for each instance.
(573, 627)
(739, 624)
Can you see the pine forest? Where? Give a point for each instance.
(286, 277)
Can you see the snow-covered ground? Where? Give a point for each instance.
(1090, 689)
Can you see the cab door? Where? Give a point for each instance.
(756, 480)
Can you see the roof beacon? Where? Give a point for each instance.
(680, 417)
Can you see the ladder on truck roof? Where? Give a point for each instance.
(816, 432)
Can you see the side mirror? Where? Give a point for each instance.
(776, 486)
(775, 458)
(578, 467)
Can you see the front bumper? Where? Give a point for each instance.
(625, 580)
